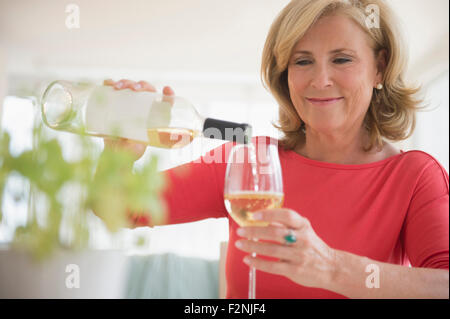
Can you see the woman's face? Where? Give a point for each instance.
(333, 60)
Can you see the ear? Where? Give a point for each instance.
(381, 62)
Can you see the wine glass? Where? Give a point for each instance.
(253, 182)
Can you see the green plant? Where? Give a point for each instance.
(61, 193)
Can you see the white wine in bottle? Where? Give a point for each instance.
(144, 117)
(167, 137)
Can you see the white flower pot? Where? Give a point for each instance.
(66, 274)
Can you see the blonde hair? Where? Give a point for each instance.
(392, 110)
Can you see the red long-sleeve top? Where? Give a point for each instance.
(395, 210)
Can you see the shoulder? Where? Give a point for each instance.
(421, 159)
(413, 157)
(429, 172)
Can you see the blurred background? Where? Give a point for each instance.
(209, 51)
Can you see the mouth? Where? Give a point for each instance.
(324, 101)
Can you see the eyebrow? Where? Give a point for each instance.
(331, 52)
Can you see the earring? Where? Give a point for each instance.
(379, 86)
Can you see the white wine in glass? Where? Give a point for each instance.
(253, 182)
(243, 205)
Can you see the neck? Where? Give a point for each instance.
(345, 147)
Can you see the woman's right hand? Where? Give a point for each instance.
(135, 148)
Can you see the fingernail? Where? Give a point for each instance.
(240, 232)
(238, 244)
(137, 86)
(246, 260)
(118, 85)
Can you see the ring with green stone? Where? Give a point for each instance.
(290, 238)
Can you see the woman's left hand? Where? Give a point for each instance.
(308, 261)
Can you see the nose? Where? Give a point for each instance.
(321, 78)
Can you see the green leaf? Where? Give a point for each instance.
(108, 187)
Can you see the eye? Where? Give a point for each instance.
(342, 60)
(303, 62)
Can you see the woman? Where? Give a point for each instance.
(358, 210)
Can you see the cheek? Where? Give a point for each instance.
(357, 89)
(296, 84)
(360, 96)
(297, 88)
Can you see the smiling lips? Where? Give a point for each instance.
(324, 101)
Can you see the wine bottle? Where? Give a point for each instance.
(145, 117)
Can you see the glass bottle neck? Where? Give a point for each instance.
(229, 131)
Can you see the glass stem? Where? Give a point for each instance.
(252, 279)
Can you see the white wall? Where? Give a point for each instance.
(431, 134)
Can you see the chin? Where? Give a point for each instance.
(325, 128)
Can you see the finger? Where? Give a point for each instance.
(135, 147)
(271, 233)
(267, 249)
(112, 143)
(287, 217)
(167, 90)
(144, 86)
(125, 144)
(124, 84)
(272, 267)
(168, 95)
(108, 142)
(109, 82)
